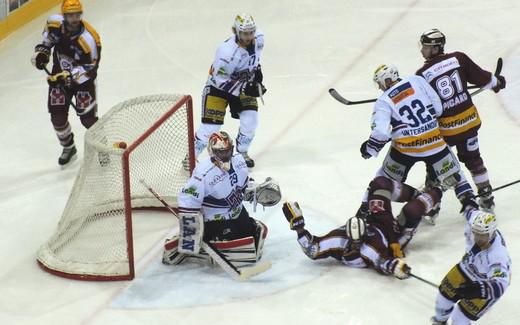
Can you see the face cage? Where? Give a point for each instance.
(223, 155)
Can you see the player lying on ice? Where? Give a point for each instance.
(211, 208)
(377, 242)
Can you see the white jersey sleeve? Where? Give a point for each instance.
(381, 129)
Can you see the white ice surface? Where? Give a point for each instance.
(306, 140)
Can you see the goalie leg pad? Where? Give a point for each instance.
(191, 230)
(261, 234)
(171, 255)
(240, 252)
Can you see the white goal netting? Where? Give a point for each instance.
(93, 239)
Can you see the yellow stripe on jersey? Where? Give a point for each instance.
(84, 45)
(453, 125)
(421, 143)
(93, 32)
(421, 149)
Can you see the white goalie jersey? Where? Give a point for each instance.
(218, 194)
(407, 115)
(234, 65)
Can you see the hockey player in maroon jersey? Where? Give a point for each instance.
(449, 74)
(377, 242)
(75, 61)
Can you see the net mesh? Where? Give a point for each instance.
(91, 239)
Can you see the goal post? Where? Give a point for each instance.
(149, 137)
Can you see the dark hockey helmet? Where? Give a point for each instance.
(433, 37)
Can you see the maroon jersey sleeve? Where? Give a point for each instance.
(474, 74)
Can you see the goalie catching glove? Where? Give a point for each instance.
(267, 194)
(294, 215)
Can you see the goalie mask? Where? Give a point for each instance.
(356, 229)
(220, 149)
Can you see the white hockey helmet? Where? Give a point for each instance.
(244, 23)
(220, 149)
(484, 223)
(385, 72)
(356, 229)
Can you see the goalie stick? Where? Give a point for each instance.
(337, 96)
(218, 257)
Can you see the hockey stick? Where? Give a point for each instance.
(260, 93)
(61, 88)
(498, 188)
(336, 95)
(423, 280)
(222, 261)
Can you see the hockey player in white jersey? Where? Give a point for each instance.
(235, 79)
(406, 115)
(476, 283)
(211, 208)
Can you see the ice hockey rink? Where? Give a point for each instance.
(306, 140)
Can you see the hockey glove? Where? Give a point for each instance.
(41, 56)
(468, 203)
(363, 150)
(396, 250)
(62, 79)
(501, 84)
(294, 215)
(253, 88)
(399, 269)
(259, 76)
(472, 290)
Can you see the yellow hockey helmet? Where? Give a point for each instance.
(71, 7)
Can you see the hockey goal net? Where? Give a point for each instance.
(93, 240)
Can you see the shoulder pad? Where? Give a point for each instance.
(55, 21)
(93, 32)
